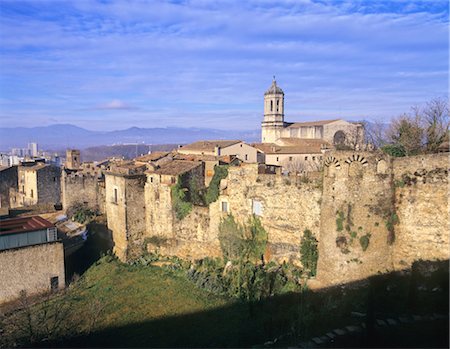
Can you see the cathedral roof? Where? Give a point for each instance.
(312, 123)
(274, 89)
(293, 146)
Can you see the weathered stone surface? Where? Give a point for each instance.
(288, 207)
(30, 268)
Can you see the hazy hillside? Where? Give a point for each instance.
(128, 151)
(64, 136)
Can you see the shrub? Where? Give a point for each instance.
(340, 221)
(82, 214)
(391, 221)
(309, 253)
(196, 194)
(212, 193)
(364, 241)
(179, 201)
(395, 150)
(256, 242)
(231, 238)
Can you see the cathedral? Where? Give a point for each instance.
(275, 130)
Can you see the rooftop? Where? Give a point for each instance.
(293, 146)
(177, 167)
(23, 225)
(274, 89)
(312, 123)
(36, 166)
(196, 157)
(154, 156)
(209, 145)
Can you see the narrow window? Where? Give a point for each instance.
(271, 105)
(246, 157)
(32, 193)
(290, 158)
(115, 195)
(54, 283)
(278, 103)
(278, 159)
(224, 206)
(306, 158)
(314, 158)
(151, 179)
(257, 207)
(54, 179)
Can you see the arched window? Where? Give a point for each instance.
(271, 105)
(339, 138)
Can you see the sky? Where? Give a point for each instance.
(106, 65)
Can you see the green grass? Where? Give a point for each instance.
(121, 305)
(134, 293)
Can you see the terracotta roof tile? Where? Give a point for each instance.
(177, 167)
(208, 145)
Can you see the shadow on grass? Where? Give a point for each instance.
(99, 242)
(296, 317)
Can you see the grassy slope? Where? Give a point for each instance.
(156, 307)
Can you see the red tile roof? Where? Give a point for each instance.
(23, 225)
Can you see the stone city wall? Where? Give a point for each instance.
(126, 216)
(8, 179)
(30, 268)
(421, 204)
(357, 203)
(289, 206)
(49, 185)
(83, 189)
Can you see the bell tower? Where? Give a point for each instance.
(273, 122)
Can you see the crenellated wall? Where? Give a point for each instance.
(357, 202)
(402, 203)
(80, 188)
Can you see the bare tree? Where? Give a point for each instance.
(436, 123)
(406, 132)
(297, 165)
(376, 133)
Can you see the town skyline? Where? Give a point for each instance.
(110, 66)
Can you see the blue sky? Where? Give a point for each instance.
(116, 64)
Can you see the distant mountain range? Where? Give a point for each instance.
(69, 136)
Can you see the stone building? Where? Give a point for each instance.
(85, 186)
(38, 183)
(209, 162)
(293, 154)
(73, 159)
(335, 132)
(190, 237)
(241, 150)
(125, 207)
(8, 180)
(31, 257)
